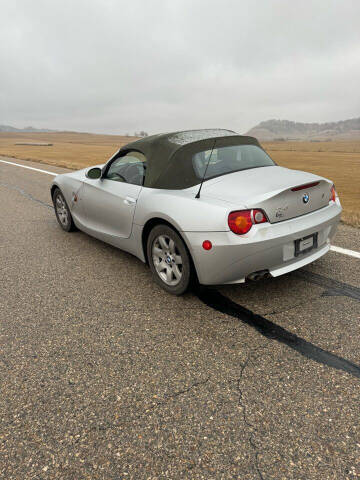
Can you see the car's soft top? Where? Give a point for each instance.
(169, 155)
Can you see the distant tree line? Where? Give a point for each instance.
(142, 133)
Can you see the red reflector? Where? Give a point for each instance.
(302, 187)
(207, 245)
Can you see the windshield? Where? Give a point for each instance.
(230, 159)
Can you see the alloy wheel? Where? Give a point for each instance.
(167, 260)
(62, 210)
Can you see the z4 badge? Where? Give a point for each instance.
(280, 212)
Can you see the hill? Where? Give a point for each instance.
(288, 130)
(8, 129)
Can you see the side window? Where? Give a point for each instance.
(129, 168)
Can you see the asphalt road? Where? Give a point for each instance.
(105, 376)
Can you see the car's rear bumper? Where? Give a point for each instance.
(266, 247)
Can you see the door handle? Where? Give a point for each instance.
(130, 201)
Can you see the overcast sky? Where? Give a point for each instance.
(161, 65)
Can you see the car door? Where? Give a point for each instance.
(110, 202)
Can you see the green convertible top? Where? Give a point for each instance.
(169, 155)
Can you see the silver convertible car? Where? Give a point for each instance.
(208, 206)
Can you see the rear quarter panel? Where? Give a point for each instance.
(183, 210)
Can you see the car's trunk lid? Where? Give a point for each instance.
(282, 193)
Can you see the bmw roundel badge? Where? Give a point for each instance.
(306, 197)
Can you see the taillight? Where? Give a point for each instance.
(332, 194)
(241, 221)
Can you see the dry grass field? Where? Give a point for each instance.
(70, 150)
(339, 161)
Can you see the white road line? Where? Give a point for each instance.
(333, 248)
(30, 168)
(345, 251)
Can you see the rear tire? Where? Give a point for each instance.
(169, 260)
(62, 212)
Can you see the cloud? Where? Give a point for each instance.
(114, 66)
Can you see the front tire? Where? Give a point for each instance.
(169, 260)
(62, 212)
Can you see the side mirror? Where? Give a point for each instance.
(94, 173)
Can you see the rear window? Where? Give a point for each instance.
(230, 159)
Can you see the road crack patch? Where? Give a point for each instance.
(291, 307)
(253, 430)
(169, 396)
(332, 287)
(26, 195)
(214, 299)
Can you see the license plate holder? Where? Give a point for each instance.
(306, 244)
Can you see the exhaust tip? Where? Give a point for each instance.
(259, 275)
